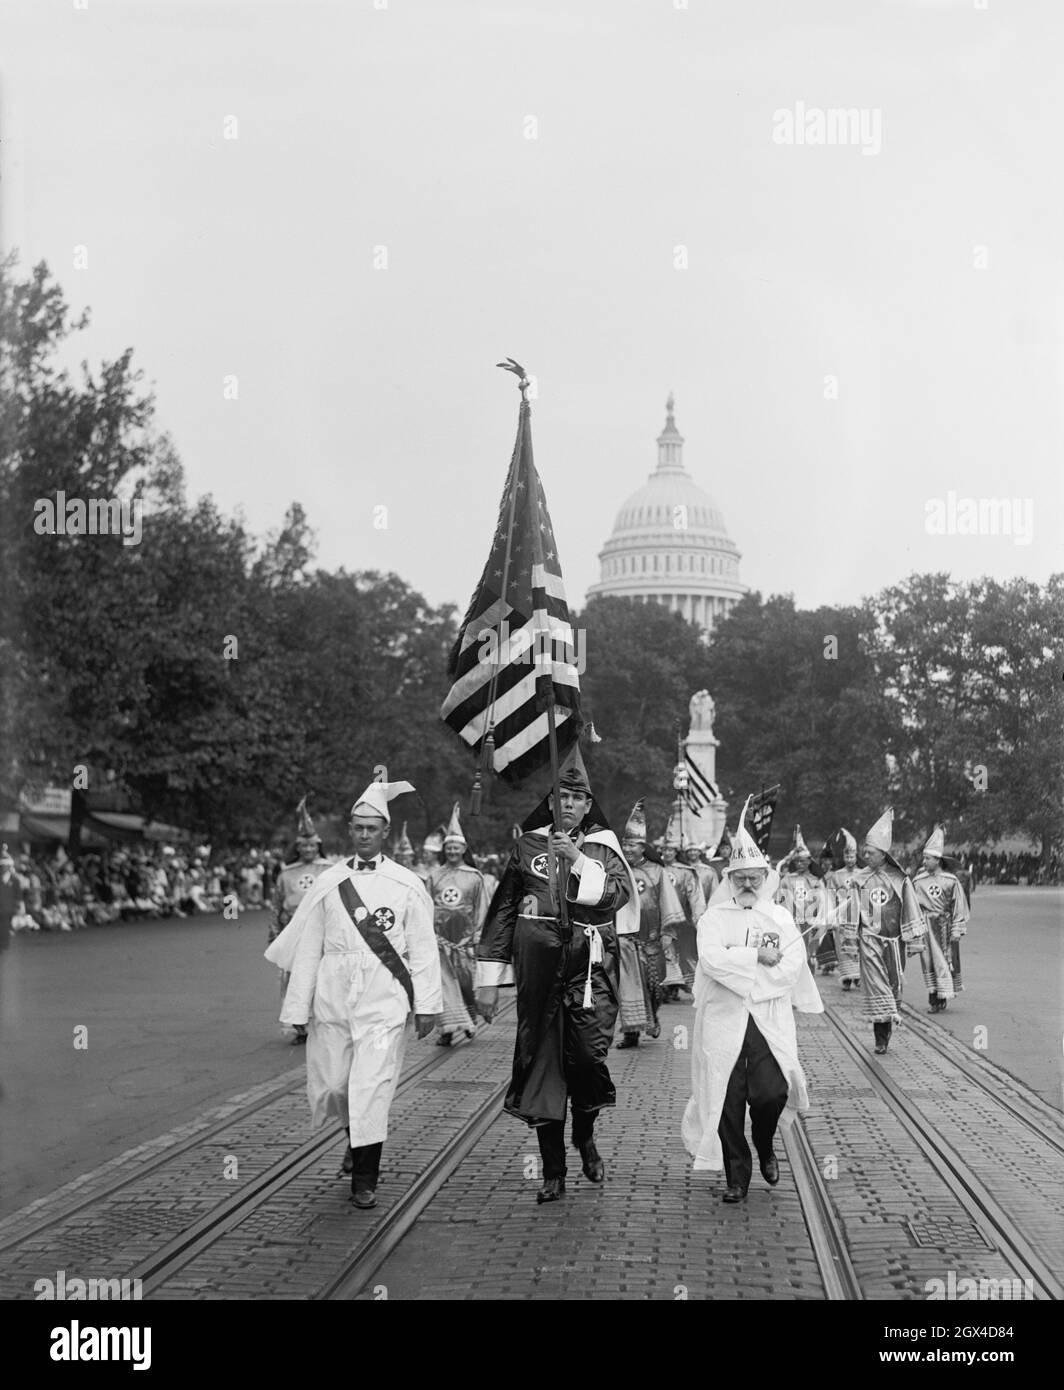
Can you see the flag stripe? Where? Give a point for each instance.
(517, 645)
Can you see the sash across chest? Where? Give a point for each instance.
(373, 935)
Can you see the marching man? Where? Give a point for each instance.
(688, 887)
(803, 895)
(890, 928)
(945, 907)
(643, 958)
(460, 903)
(566, 979)
(752, 974)
(293, 883)
(362, 955)
(838, 883)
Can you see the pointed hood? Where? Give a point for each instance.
(635, 827)
(881, 835)
(745, 853)
(849, 842)
(304, 825)
(936, 843)
(799, 845)
(573, 773)
(434, 841)
(674, 836)
(403, 845)
(374, 800)
(453, 834)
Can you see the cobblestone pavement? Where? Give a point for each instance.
(652, 1231)
(655, 1231)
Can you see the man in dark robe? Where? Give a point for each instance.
(566, 977)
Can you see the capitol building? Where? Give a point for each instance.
(669, 544)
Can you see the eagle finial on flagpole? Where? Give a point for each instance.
(524, 381)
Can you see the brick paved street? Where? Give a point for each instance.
(653, 1231)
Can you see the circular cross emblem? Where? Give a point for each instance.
(672, 877)
(449, 896)
(641, 883)
(539, 866)
(801, 891)
(934, 890)
(878, 896)
(384, 918)
(305, 881)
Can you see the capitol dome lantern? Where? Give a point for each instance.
(669, 543)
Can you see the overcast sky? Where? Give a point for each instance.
(921, 267)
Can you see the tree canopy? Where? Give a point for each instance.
(213, 677)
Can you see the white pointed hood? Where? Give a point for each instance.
(374, 800)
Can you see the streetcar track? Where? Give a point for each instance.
(826, 1235)
(996, 1226)
(161, 1266)
(145, 1168)
(397, 1221)
(151, 1165)
(1022, 1109)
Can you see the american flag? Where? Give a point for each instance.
(700, 790)
(522, 641)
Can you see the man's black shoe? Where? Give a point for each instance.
(734, 1193)
(629, 1040)
(594, 1168)
(881, 1046)
(364, 1198)
(553, 1190)
(770, 1170)
(349, 1161)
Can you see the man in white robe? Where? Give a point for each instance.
(362, 956)
(752, 973)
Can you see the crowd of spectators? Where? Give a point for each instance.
(155, 881)
(129, 884)
(991, 867)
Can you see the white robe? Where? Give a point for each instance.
(730, 987)
(355, 1008)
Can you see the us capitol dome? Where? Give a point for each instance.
(669, 543)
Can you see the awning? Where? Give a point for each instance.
(46, 830)
(132, 827)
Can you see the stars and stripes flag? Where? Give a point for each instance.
(699, 791)
(513, 645)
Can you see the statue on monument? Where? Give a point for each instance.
(702, 710)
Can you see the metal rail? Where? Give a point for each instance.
(997, 1226)
(1044, 1123)
(398, 1220)
(199, 1235)
(152, 1165)
(825, 1231)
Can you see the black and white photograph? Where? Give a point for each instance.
(531, 669)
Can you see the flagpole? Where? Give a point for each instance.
(487, 748)
(556, 802)
(680, 761)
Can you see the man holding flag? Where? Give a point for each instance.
(567, 977)
(551, 929)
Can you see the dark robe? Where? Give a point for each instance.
(561, 1047)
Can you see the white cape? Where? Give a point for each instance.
(731, 987)
(282, 950)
